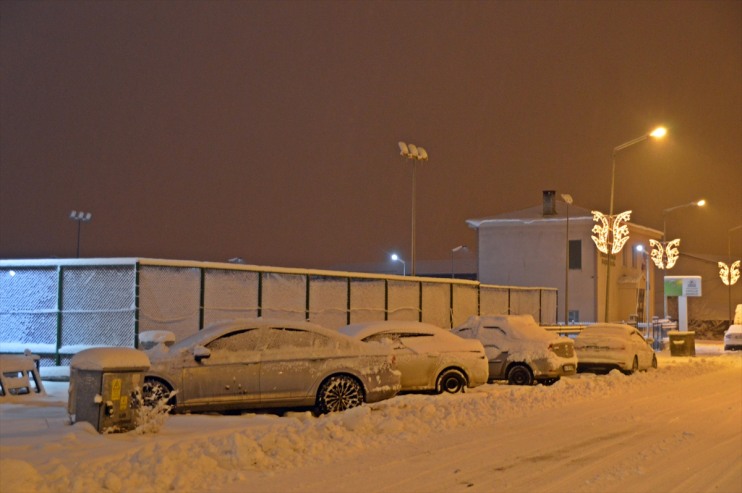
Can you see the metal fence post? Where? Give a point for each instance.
(60, 308)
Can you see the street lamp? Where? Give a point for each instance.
(699, 203)
(568, 200)
(657, 133)
(642, 250)
(730, 273)
(395, 258)
(415, 154)
(666, 253)
(454, 250)
(80, 217)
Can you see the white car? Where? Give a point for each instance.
(603, 347)
(264, 363)
(430, 358)
(519, 350)
(733, 337)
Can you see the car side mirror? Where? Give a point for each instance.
(200, 352)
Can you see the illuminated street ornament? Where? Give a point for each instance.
(661, 252)
(612, 231)
(729, 275)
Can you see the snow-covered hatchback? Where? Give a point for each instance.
(604, 347)
(264, 363)
(519, 350)
(430, 358)
(733, 337)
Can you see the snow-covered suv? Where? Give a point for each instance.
(519, 350)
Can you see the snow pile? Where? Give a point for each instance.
(42, 453)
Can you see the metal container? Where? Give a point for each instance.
(105, 388)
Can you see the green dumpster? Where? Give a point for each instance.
(682, 343)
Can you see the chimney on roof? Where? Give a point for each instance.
(549, 203)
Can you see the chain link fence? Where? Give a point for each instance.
(56, 308)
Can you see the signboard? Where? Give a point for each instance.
(683, 286)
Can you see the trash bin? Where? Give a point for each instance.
(682, 343)
(105, 387)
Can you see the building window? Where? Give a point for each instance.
(574, 316)
(575, 254)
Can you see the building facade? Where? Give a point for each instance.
(551, 245)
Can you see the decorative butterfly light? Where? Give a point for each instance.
(729, 274)
(660, 252)
(612, 231)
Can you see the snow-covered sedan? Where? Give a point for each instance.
(263, 363)
(430, 358)
(733, 337)
(603, 347)
(519, 350)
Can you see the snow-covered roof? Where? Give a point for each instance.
(535, 214)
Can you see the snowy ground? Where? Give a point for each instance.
(677, 429)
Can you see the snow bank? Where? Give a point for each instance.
(209, 452)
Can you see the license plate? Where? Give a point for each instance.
(569, 368)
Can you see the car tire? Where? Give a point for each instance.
(634, 366)
(338, 393)
(520, 375)
(451, 381)
(654, 361)
(153, 391)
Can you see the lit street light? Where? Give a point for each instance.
(415, 154)
(80, 217)
(454, 250)
(657, 133)
(730, 273)
(665, 254)
(395, 258)
(645, 253)
(568, 200)
(699, 203)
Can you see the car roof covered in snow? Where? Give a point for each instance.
(608, 329)
(365, 329)
(218, 329)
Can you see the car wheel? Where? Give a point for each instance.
(339, 393)
(451, 381)
(154, 391)
(634, 366)
(520, 375)
(654, 361)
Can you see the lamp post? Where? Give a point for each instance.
(395, 258)
(645, 253)
(568, 200)
(731, 269)
(454, 250)
(657, 133)
(663, 247)
(699, 203)
(80, 217)
(415, 154)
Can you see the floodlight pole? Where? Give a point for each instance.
(414, 153)
(80, 217)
